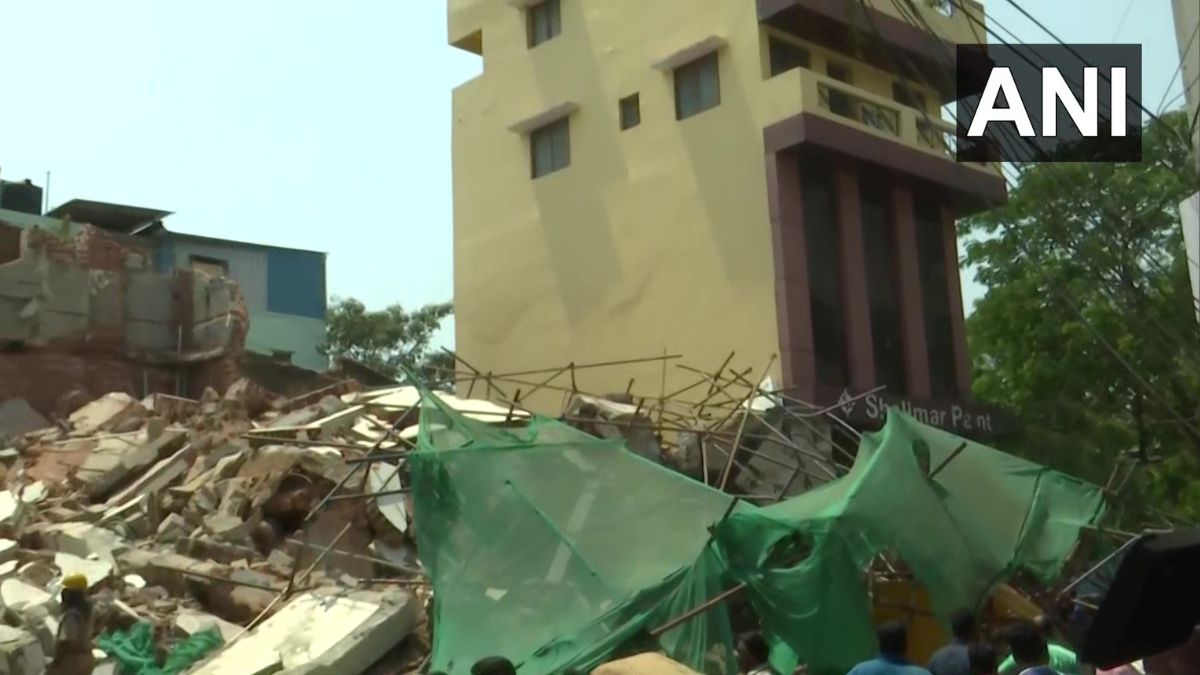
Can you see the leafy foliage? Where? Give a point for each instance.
(1088, 329)
(390, 338)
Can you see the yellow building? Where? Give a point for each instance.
(700, 177)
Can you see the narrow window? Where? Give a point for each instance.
(882, 284)
(544, 22)
(840, 102)
(786, 56)
(550, 147)
(697, 87)
(824, 274)
(631, 112)
(935, 296)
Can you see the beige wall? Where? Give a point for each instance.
(654, 239)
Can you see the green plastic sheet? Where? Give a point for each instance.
(135, 651)
(558, 550)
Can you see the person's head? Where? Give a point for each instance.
(893, 639)
(1027, 644)
(752, 651)
(982, 658)
(493, 665)
(962, 624)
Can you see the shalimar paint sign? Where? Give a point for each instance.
(964, 419)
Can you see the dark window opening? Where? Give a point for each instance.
(935, 296)
(786, 56)
(631, 112)
(550, 147)
(838, 71)
(823, 242)
(908, 96)
(544, 22)
(697, 87)
(882, 284)
(212, 266)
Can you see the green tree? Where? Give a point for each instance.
(1088, 330)
(390, 338)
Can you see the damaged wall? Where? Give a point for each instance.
(90, 313)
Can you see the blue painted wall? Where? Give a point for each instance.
(296, 283)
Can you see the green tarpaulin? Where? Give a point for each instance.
(555, 549)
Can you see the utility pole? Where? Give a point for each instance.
(1187, 33)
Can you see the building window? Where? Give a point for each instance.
(631, 112)
(935, 296)
(550, 147)
(823, 245)
(838, 71)
(213, 267)
(908, 96)
(697, 87)
(882, 284)
(786, 56)
(544, 22)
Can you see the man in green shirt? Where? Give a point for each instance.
(1062, 659)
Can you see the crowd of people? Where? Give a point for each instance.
(1029, 646)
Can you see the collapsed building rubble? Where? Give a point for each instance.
(263, 521)
(238, 512)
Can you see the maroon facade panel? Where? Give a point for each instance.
(910, 171)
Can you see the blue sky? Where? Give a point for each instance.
(311, 124)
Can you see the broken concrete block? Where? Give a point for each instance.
(111, 465)
(9, 456)
(280, 561)
(33, 493)
(17, 417)
(104, 412)
(41, 622)
(385, 478)
(172, 529)
(95, 571)
(19, 596)
(8, 506)
(37, 573)
(8, 569)
(225, 527)
(191, 622)
(8, 550)
(83, 539)
(20, 652)
(317, 633)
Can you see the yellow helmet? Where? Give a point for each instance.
(75, 582)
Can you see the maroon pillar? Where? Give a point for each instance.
(958, 324)
(792, 306)
(912, 313)
(855, 298)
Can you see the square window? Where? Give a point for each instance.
(838, 72)
(544, 22)
(550, 147)
(697, 86)
(786, 56)
(631, 112)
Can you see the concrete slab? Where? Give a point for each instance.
(95, 571)
(82, 539)
(109, 468)
(192, 622)
(320, 634)
(92, 417)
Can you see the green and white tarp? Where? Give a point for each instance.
(554, 548)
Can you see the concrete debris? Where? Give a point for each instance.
(199, 513)
(20, 652)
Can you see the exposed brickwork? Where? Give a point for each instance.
(41, 375)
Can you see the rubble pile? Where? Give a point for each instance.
(256, 516)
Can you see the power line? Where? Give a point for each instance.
(1066, 299)
(1179, 68)
(1121, 23)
